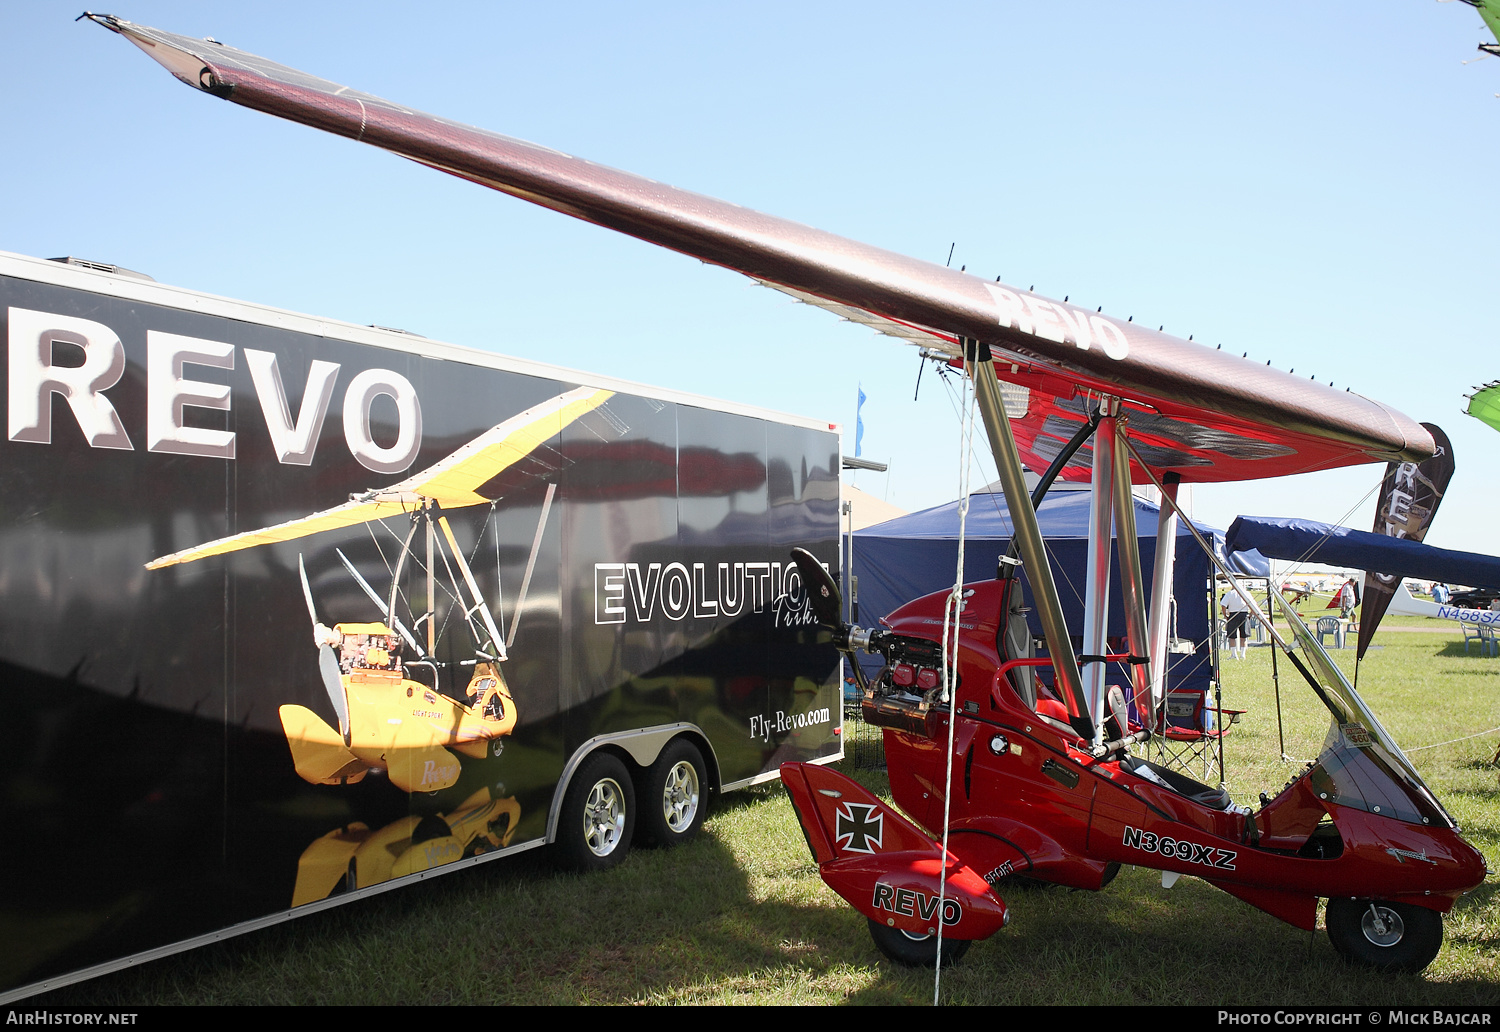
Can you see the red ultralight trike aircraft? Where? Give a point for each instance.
(1045, 788)
(1030, 797)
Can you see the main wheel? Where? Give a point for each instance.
(1385, 936)
(673, 803)
(597, 817)
(915, 950)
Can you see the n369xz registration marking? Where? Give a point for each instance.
(1181, 849)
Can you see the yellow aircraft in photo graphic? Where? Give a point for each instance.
(357, 856)
(389, 719)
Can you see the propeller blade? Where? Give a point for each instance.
(328, 663)
(822, 591)
(328, 667)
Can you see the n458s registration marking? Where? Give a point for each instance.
(1181, 849)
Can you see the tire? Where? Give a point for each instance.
(674, 799)
(597, 817)
(1409, 941)
(915, 951)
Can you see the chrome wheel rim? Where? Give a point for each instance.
(1382, 929)
(679, 800)
(604, 817)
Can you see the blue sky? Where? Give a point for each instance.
(1305, 182)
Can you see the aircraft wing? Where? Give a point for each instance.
(1213, 416)
(1484, 404)
(1489, 10)
(463, 478)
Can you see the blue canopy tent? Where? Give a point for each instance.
(1306, 541)
(915, 555)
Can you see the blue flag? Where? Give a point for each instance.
(859, 422)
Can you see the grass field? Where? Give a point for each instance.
(740, 915)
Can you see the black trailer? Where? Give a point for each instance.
(293, 611)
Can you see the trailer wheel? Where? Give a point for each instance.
(597, 817)
(673, 804)
(915, 950)
(1385, 936)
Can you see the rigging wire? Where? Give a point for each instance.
(997, 500)
(1452, 741)
(1305, 557)
(420, 567)
(380, 551)
(952, 617)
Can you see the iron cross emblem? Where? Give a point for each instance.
(859, 827)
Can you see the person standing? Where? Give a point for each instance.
(1348, 599)
(1236, 613)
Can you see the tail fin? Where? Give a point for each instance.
(885, 866)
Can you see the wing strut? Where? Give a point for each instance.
(536, 544)
(1096, 579)
(1029, 535)
(496, 642)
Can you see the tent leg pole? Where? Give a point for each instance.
(1161, 591)
(1276, 683)
(1216, 626)
(1132, 591)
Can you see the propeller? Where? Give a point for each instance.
(328, 663)
(828, 607)
(822, 590)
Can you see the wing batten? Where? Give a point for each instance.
(901, 296)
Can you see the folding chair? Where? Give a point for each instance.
(1489, 643)
(1187, 742)
(1474, 634)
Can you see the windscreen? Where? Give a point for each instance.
(1361, 765)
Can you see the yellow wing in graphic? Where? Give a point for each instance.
(452, 482)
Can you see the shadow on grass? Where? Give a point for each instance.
(740, 915)
(1138, 943)
(1457, 649)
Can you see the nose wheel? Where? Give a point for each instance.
(910, 950)
(1384, 935)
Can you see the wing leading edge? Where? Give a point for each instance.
(453, 482)
(1213, 416)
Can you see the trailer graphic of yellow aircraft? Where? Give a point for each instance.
(356, 857)
(390, 719)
